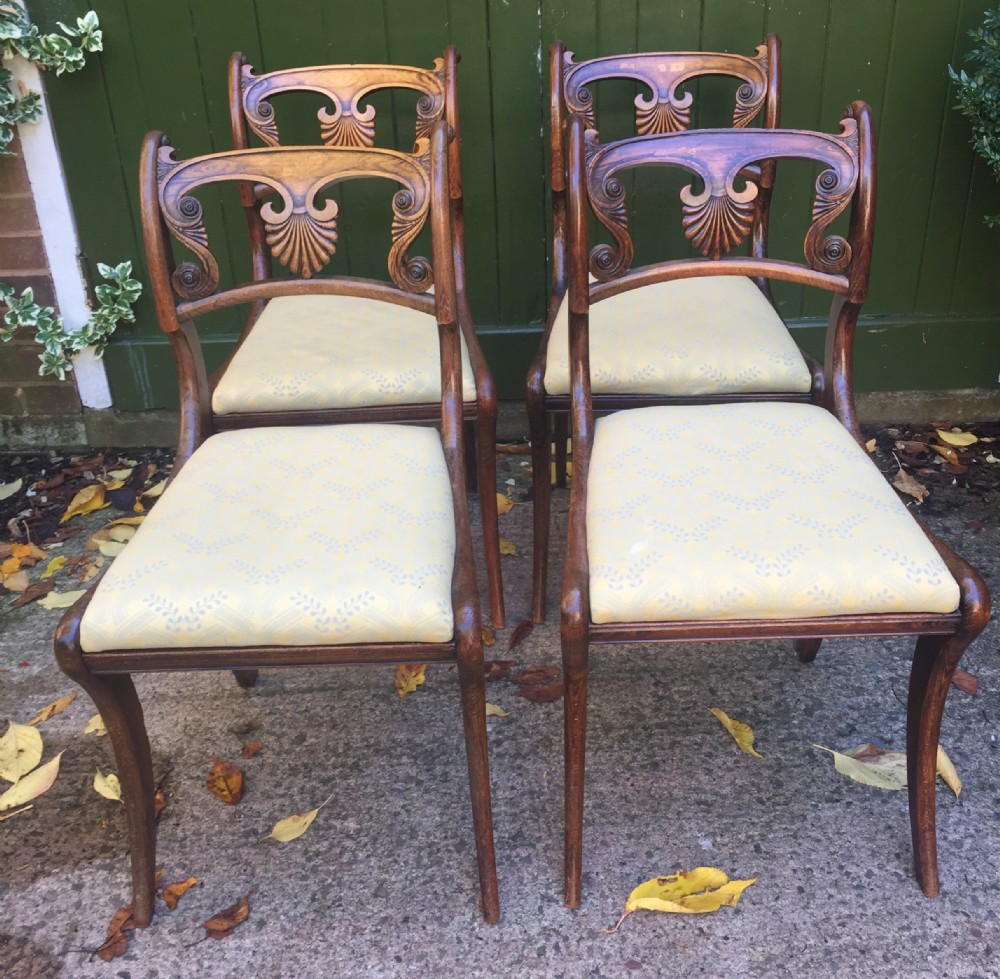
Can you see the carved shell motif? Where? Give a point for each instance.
(716, 222)
(348, 126)
(301, 237)
(662, 115)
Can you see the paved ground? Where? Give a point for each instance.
(384, 884)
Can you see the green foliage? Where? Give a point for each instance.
(114, 306)
(979, 94)
(64, 52)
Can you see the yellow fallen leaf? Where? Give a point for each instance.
(504, 503)
(108, 786)
(495, 710)
(9, 566)
(129, 521)
(172, 893)
(27, 554)
(507, 546)
(9, 489)
(90, 498)
(947, 772)
(53, 566)
(20, 751)
(698, 891)
(488, 636)
(871, 766)
(113, 484)
(90, 569)
(957, 438)
(15, 812)
(409, 676)
(111, 548)
(292, 827)
(56, 707)
(18, 581)
(31, 786)
(120, 474)
(552, 471)
(742, 733)
(870, 445)
(947, 453)
(60, 599)
(96, 726)
(121, 533)
(154, 491)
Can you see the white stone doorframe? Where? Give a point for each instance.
(62, 246)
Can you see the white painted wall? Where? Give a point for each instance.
(62, 246)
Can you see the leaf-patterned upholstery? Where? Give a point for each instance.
(674, 324)
(314, 352)
(364, 552)
(748, 511)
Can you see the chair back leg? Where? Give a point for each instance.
(574, 657)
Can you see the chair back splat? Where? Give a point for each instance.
(362, 590)
(817, 546)
(350, 121)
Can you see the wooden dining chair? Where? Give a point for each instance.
(382, 567)
(736, 544)
(362, 364)
(681, 345)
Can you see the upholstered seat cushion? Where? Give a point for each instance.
(754, 510)
(714, 335)
(320, 535)
(336, 352)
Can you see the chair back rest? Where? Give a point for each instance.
(719, 217)
(664, 73)
(302, 227)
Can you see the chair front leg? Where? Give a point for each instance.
(541, 493)
(574, 657)
(472, 685)
(486, 461)
(934, 663)
(806, 649)
(247, 679)
(119, 707)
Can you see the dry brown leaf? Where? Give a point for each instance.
(521, 632)
(507, 546)
(90, 498)
(250, 749)
(90, 569)
(16, 582)
(543, 694)
(56, 707)
(159, 802)
(221, 925)
(172, 893)
(966, 682)
(504, 503)
(535, 675)
(488, 636)
(498, 669)
(34, 592)
(946, 452)
(905, 483)
(409, 676)
(117, 941)
(225, 781)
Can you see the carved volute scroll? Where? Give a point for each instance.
(348, 124)
(666, 110)
(302, 232)
(719, 218)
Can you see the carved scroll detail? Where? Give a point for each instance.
(751, 94)
(607, 198)
(832, 253)
(301, 229)
(347, 124)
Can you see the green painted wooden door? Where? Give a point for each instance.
(933, 319)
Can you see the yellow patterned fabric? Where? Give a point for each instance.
(336, 352)
(714, 335)
(756, 511)
(323, 535)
